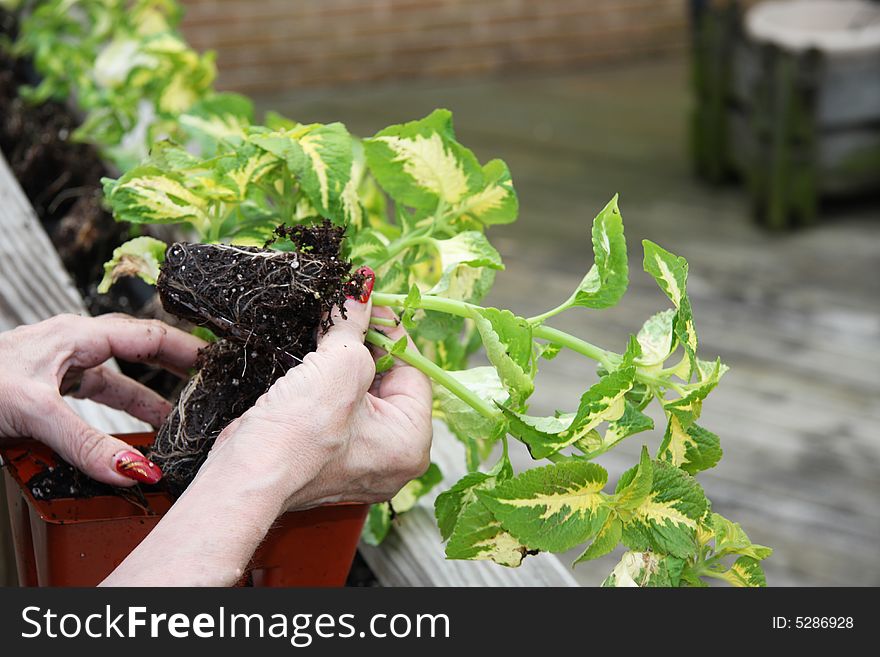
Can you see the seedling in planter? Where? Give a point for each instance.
(415, 204)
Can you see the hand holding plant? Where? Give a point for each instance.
(330, 430)
(65, 355)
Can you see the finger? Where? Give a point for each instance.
(347, 365)
(114, 389)
(99, 455)
(403, 385)
(349, 330)
(96, 339)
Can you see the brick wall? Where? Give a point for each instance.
(282, 44)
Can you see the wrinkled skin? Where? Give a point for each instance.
(329, 430)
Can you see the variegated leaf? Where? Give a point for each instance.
(479, 536)
(670, 272)
(421, 165)
(605, 541)
(476, 432)
(730, 538)
(140, 257)
(321, 157)
(147, 194)
(639, 483)
(378, 524)
(494, 203)
(449, 504)
(666, 520)
(645, 569)
(221, 118)
(468, 263)
(552, 508)
(746, 572)
(407, 496)
(693, 449)
(655, 338)
(630, 423)
(607, 280)
(604, 401)
(508, 343)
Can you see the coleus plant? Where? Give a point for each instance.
(416, 205)
(124, 65)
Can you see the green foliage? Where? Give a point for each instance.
(125, 63)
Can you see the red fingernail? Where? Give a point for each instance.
(369, 279)
(135, 465)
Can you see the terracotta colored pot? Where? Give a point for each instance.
(78, 542)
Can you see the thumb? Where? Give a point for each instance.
(349, 330)
(97, 454)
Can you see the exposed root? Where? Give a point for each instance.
(267, 305)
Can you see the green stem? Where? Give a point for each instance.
(575, 344)
(383, 321)
(562, 307)
(463, 309)
(397, 246)
(438, 374)
(428, 302)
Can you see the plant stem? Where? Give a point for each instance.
(383, 321)
(464, 309)
(608, 359)
(436, 373)
(540, 319)
(428, 302)
(575, 344)
(402, 244)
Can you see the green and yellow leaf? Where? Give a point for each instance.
(552, 508)
(666, 520)
(608, 278)
(139, 257)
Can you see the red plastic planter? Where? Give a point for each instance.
(78, 542)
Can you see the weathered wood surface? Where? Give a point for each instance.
(33, 287)
(797, 317)
(413, 554)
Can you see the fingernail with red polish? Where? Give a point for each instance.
(135, 465)
(369, 279)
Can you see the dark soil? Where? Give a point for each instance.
(267, 306)
(61, 178)
(63, 480)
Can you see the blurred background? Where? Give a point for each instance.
(587, 98)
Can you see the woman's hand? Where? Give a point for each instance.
(65, 355)
(330, 430)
